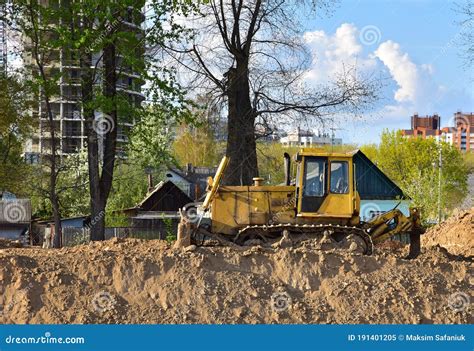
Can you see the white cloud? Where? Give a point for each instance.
(413, 87)
(332, 53)
(402, 69)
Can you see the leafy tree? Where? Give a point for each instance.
(107, 46)
(270, 158)
(36, 22)
(197, 139)
(129, 187)
(72, 184)
(15, 126)
(412, 163)
(151, 138)
(197, 146)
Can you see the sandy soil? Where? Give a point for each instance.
(456, 234)
(134, 281)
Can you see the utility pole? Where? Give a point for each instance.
(440, 166)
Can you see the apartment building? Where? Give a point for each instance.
(69, 124)
(301, 137)
(424, 126)
(460, 133)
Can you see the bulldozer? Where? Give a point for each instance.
(318, 201)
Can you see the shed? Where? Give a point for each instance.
(193, 180)
(75, 222)
(157, 213)
(166, 196)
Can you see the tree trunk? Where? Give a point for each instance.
(101, 167)
(53, 196)
(92, 144)
(241, 145)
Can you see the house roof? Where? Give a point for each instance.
(199, 174)
(162, 190)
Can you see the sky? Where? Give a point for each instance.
(411, 43)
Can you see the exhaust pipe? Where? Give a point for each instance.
(287, 168)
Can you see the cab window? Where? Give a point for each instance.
(339, 183)
(314, 178)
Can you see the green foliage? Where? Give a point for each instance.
(197, 146)
(116, 219)
(170, 234)
(15, 126)
(270, 159)
(129, 187)
(469, 161)
(72, 187)
(150, 139)
(412, 163)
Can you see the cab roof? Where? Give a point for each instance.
(323, 152)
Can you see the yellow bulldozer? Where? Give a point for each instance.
(318, 201)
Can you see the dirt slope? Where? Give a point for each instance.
(135, 281)
(456, 234)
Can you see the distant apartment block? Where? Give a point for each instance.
(300, 137)
(424, 126)
(460, 133)
(69, 124)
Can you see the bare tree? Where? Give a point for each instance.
(466, 10)
(251, 55)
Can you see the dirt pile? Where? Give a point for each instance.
(133, 281)
(456, 234)
(6, 244)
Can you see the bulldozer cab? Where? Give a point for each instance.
(325, 185)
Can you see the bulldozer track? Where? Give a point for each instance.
(270, 232)
(336, 232)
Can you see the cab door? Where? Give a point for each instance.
(313, 181)
(340, 195)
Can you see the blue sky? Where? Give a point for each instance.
(411, 42)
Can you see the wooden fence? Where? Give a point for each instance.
(77, 236)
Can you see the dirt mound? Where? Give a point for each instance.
(456, 234)
(133, 281)
(8, 244)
